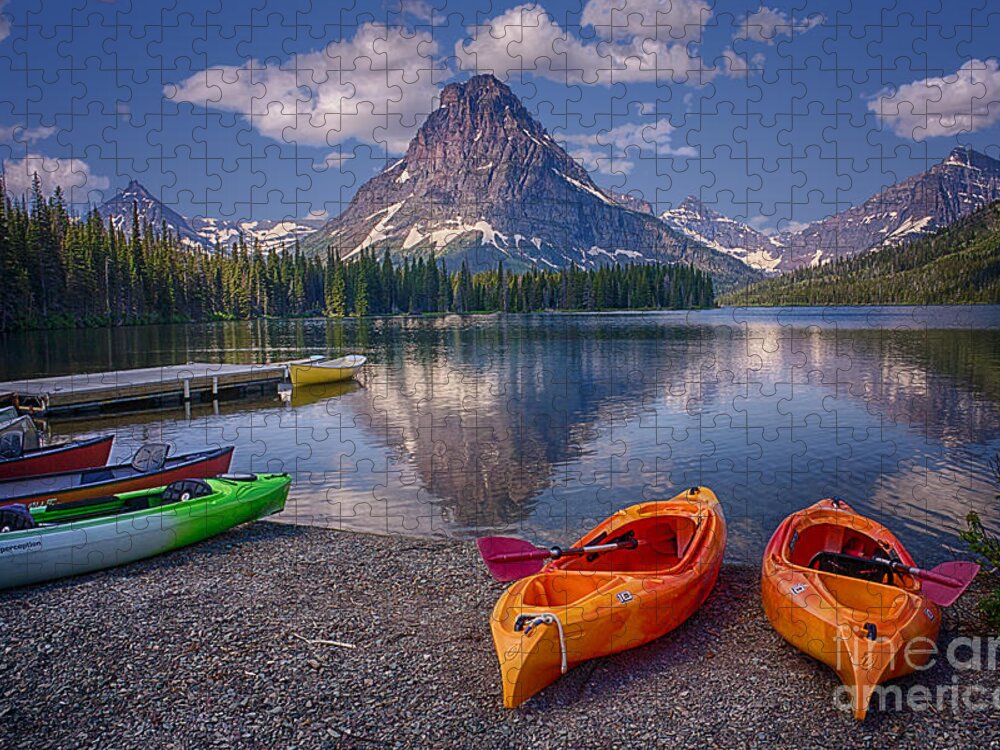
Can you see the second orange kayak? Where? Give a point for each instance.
(580, 608)
(825, 596)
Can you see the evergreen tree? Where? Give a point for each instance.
(57, 269)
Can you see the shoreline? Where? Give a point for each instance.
(484, 314)
(278, 635)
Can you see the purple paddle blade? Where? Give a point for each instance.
(508, 559)
(949, 581)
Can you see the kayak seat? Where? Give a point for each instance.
(185, 489)
(16, 518)
(663, 542)
(150, 457)
(808, 543)
(851, 566)
(12, 445)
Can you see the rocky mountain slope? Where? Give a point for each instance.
(482, 181)
(960, 184)
(201, 231)
(706, 225)
(958, 265)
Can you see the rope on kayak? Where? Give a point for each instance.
(547, 618)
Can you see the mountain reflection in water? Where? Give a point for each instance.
(543, 425)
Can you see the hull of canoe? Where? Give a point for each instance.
(317, 373)
(72, 456)
(51, 552)
(617, 601)
(49, 490)
(858, 628)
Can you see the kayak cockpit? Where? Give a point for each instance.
(664, 543)
(113, 505)
(851, 566)
(565, 590)
(806, 544)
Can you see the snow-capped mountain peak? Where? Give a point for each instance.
(694, 219)
(961, 183)
(200, 231)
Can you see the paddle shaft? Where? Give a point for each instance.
(920, 573)
(556, 552)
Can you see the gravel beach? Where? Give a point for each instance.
(243, 641)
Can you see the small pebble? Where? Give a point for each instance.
(220, 645)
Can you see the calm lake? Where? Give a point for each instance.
(542, 425)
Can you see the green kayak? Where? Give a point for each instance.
(87, 535)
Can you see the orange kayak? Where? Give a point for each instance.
(823, 595)
(580, 608)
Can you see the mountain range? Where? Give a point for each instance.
(957, 265)
(919, 205)
(201, 231)
(483, 181)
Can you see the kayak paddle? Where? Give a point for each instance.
(508, 558)
(944, 583)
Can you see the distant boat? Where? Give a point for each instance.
(150, 467)
(318, 370)
(20, 457)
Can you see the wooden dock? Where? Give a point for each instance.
(96, 391)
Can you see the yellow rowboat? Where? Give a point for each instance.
(304, 395)
(321, 370)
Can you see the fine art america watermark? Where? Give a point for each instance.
(965, 655)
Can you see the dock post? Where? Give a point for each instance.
(187, 389)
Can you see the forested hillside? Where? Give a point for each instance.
(58, 271)
(958, 265)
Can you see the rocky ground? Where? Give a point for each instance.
(244, 642)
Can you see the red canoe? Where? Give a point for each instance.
(71, 456)
(149, 468)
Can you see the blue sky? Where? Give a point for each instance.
(776, 114)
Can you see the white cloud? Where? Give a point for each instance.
(594, 158)
(23, 134)
(964, 102)
(648, 43)
(4, 21)
(768, 225)
(791, 227)
(767, 24)
(616, 150)
(334, 160)
(420, 10)
(373, 88)
(72, 175)
(736, 65)
(676, 21)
